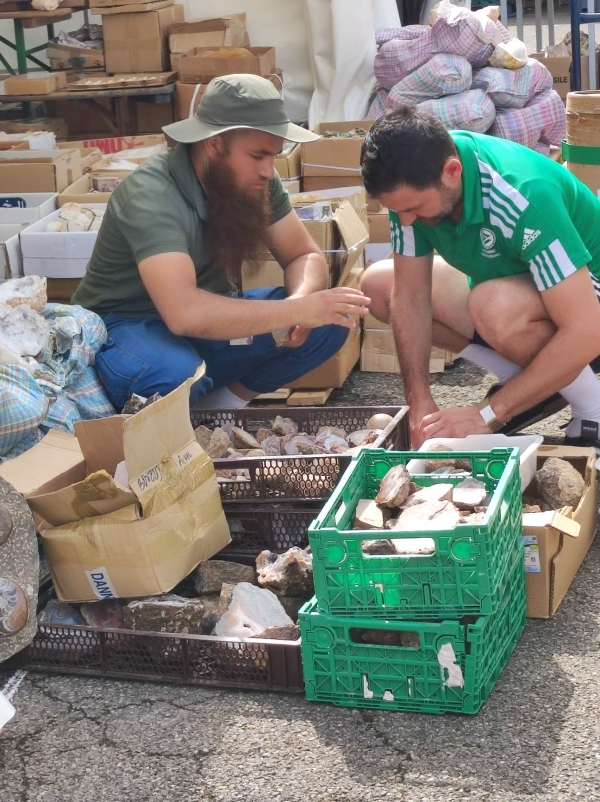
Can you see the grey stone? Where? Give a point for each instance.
(379, 547)
(211, 574)
(286, 632)
(168, 613)
(107, 614)
(394, 487)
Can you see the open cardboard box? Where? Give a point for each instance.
(226, 31)
(557, 542)
(38, 170)
(107, 540)
(82, 191)
(334, 156)
(199, 65)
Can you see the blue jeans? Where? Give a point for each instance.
(142, 356)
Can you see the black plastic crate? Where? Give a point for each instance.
(294, 478)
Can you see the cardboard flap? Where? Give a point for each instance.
(101, 443)
(156, 433)
(56, 455)
(353, 233)
(563, 521)
(98, 494)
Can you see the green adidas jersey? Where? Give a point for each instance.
(521, 212)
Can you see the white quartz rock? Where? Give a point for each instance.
(22, 330)
(252, 610)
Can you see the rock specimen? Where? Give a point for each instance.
(368, 515)
(291, 604)
(283, 426)
(14, 611)
(107, 614)
(428, 515)
(22, 331)
(203, 435)
(437, 492)
(167, 613)
(271, 445)
(291, 573)
(379, 421)
(285, 632)
(241, 439)
(212, 612)
(329, 431)
(394, 487)
(419, 546)
(382, 637)
(364, 437)
(30, 291)
(251, 612)
(218, 444)
(262, 434)
(139, 402)
(212, 574)
(559, 484)
(469, 493)
(531, 508)
(435, 464)
(379, 547)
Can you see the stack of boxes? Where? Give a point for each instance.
(430, 628)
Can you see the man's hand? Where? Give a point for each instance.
(453, 422)
(330, 306)
(298, 336)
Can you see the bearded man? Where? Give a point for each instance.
(165, 274)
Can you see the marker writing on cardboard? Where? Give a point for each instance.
(184, 457)
(149, 478)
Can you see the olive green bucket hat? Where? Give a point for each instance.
(238, 101)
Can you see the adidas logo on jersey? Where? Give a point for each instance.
(529, 236)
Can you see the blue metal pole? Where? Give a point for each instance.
(575, 46)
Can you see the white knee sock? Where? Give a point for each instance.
(491, 360)
(584, 397)
(222, 398)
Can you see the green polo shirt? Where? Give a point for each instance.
(160, 208)
(522, 212)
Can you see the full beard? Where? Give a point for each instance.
(238, 219)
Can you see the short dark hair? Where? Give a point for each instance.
(405, 147)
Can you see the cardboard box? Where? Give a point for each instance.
(198, 66)
(187, 98)
(61, 290)
(336, 370)
(379, 228)
(557, 542)
(88, 156)
(37, 170)
(139, 42)
(58, 126)
(57, 254)
(35, 83)
(11, 261)
(80, 191)
(229, 31)
(63, 57)
(104, 540)
(290, 165)
(319, 183)
(355, 195)
(116, 144)
(26, 207)
(377, 251)
(292, 187)
(151, 117)
(53, 463)
(334, 156)
(378, 352)
(560, 69)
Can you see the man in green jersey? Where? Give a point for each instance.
(516, 284)
(165, 273)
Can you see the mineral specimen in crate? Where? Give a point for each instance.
(203, 435)
(428, 515)
(364, 437)
(57, 612)
(559, 484)
(379, 547)
(368, 515)
(167, 613)
(382, 637)
(107, 614)
(241, 439)
(470, 493)
(437, 492)
(394, 487)
(379, 421)
(330, 431)
(285, 632)
(271, 445)
(251, 612)
(262, 434)
(291, 573)
(283, 426)
(218, 444)
(212, 574)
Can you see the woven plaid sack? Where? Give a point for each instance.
(443, 74)
(23, 406)
(378, 104)
(470, 111)
(543, 120)
(513, 89)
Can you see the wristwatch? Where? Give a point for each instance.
(489, 416)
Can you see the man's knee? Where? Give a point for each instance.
(123, 372)
(376, 283)
(504, 308)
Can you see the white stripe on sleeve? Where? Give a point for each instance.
(408, 236)
(562, 258)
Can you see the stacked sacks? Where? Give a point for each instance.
(444, 68)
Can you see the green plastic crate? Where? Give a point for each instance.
(465, 575)
(340, 671)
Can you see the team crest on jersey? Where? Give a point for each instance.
(529, 236)
(488, 240)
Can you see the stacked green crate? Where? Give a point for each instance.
(455, 615)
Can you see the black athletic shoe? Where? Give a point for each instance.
(589, 438)
(532, 415)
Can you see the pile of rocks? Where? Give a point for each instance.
(220, 598)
